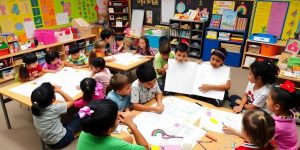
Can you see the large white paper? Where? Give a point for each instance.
(62, 18)
(126, 58)
(29, 28)
(187, 77)
(213, 120)
(67, 79)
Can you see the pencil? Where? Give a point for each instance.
(202, 145)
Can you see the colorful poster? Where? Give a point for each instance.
(277, 18)
(48, 13)
(292, 20)
(219, 6)
(263, 10)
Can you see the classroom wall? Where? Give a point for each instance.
(43, 13)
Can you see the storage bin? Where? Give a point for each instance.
(4, 52)
(231, 47)
(7, 74)
(255, 49)
(233, 59)
(45, 36)
(269, 50)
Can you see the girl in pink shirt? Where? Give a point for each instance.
(100, 73)
(282, 99)
(53, 63)
(91, 90)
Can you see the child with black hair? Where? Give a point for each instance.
(99, 51)
(261, 75)
(30, 69)
(121, 91)
(100, 73)
(217, 60)
(118, 47)
(258, 128)
(161, 61)
(107, 37)
(46, 116)
(144, 89)
(91, 90)
(144, 48)
(98, 120)
(76, 59)
(53, 62)
(282, 99)
(181, 52)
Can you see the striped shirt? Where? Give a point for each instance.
(151, 50)
(81, 60)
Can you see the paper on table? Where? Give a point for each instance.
(29, 28)
(212, 120)
(126, 58)
(62, 18)
(206, 74)
(180, 76)
(67, 79)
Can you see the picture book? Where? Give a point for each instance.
(187, 77)
(215, 21)
(228, 19)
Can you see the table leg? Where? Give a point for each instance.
(5, 111)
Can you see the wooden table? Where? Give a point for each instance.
(224, 141)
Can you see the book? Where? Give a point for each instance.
(241, 24)
(224, 36)
(215, 21)
(187, 77)
(211, 34)
(228, 19)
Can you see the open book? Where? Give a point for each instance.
(187, 77)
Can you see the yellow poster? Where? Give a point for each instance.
(219, 6)
(292, 20)
(261, 18)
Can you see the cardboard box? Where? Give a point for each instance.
(84, 27)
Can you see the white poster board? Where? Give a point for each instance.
(137, 21)
(167, 11)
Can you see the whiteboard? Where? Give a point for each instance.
(167, 10)
(137, 20)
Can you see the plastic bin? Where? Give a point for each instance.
(255, 49)
(269, 50)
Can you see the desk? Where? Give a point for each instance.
(126, 68)
(11, 95)
(224, 141)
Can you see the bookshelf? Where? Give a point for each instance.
(187, 31)
(118, 15)
(254, 51)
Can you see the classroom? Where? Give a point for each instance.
(150, 74)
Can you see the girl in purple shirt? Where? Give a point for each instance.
(53, 63)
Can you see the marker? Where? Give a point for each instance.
(223, 124)
(198, 104)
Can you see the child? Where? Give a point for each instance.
(217, 59)
(53, 63)
(258, 128)
(99, 51)
(144, 48)
(161, 61)
(144, 89)
(91, 90)
(107, 36)
(261, 74)
(118, 47)
(121, 91)
(128, 44)
(46, 116)
(76, 59)
(30, 69)
(98, 120)
(181, 52)
(100, 73)
(282, 99)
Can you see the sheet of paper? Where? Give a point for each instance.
(206, 74)
(277, 18)
(62, 18)
(29, 28)
(180, 76)
(67, 78)
(126, 58)
(212, 120)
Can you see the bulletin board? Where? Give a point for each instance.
(15, 14)
(152, 10)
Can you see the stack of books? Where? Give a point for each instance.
(224, 36)
(174, 32)
(211, 34)
(236, 38)
(241, 24)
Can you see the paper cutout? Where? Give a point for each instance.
(220, 6)
(277, 18)
(62, 18)
(261, 17)
(29, 28)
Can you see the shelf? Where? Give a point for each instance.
(118, 13)
(225, 30)
(246, 67)
(8, 67)
(195, 47)
(278, 43)
(117, 27)
(196, 39)
(185, 20)
(194, 30)
(259, 55)
(3, 80)
(225, 41)
(119, 6)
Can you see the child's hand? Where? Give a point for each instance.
(159, 109)
(205, 87)
(126, 118)
(77, 67)
(229, 130)
(78, 87)
(237, 109)
(113, 58)
(34, 74)
(166, 66)
(56, 88)
(198, 62)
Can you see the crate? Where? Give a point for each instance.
(269, 50)
(255, 49)
(8, 74)
(4, 52)
(231, 47)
